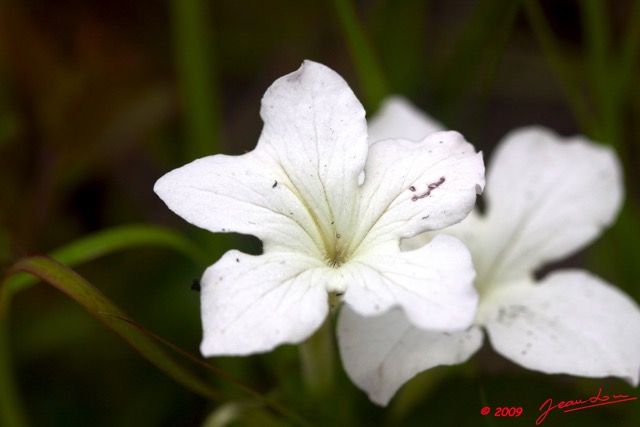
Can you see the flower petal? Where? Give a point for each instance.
(546, 198)
(301, 180)
(252, 304)
(381, 353)
(572, 323)
(398, 118)
(433, 284)
(245, 194)
(413, 187)
(315, 128)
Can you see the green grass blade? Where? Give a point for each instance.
(108, 241)
(628, 66)
(193, 44)
(601, 70)
(91, 299)
(559, 64)
(144, 342)
(371, 76)
(481, 45)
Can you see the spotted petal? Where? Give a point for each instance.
(571, 323)
(412, 187)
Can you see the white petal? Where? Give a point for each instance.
(381, 353)
(398, 118)
(315, 128)
(300, 182)
(252, 304)
(469, 231)
(572, 323)
(246, 194)
(547, 197)
(433, 285)
(413, 187)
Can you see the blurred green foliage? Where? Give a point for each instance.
(100, 98)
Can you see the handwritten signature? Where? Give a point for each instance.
(593, 401)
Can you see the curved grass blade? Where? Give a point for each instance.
(77, 288)
(80, 290)
(261, 398)
(105, 242)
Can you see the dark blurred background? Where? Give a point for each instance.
(98, 99)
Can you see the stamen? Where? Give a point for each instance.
(430, 187)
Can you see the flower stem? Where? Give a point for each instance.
(317, 360)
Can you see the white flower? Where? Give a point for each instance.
(330, 210)
(546, 198)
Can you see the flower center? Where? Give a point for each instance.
(335, 250)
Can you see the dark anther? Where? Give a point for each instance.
(430, 187)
